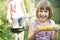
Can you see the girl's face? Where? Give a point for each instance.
(43, 15)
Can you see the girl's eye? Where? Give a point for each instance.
(41, 11)
(45, 11)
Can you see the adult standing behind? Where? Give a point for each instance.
(15, 14)
(15, 10)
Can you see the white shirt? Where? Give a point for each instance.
(17, 9)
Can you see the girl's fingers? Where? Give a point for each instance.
(36, 30)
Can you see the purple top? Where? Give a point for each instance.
(42, 35)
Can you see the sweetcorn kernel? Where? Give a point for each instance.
(50, 27)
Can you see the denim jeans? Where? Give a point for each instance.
(18, 21)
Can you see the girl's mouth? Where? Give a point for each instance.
(43, 17)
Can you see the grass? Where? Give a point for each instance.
(59, 32)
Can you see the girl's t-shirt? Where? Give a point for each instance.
(42, 35)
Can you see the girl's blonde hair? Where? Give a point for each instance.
(44, 4)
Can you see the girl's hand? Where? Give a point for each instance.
(55, 27)
(36, 30)
(32, 34)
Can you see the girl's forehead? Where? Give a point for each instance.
(44, 8)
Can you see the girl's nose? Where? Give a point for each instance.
(43, 13)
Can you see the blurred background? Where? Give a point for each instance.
(5, 32)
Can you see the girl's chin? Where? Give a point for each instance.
(42, 20)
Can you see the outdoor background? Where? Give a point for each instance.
(5, 32)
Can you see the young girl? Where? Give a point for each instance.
(43, 14)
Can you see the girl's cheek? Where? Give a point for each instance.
(39, 13)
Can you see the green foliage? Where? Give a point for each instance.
(56, 12)
(59, 32)
(5, 33)
(27, 4)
